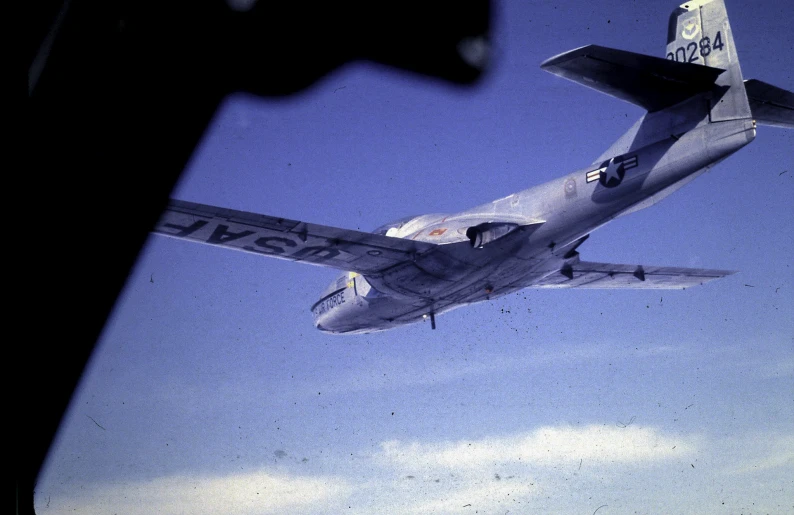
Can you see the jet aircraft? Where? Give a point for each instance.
(700, 110)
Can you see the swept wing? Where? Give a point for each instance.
(606, 275)
(649, 82)
(770, 105)
(281, 238)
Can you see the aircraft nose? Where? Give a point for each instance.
(346, 307)
(333, 307)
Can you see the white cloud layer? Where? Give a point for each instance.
(243, 493)
(544, 446)
(766, 452)
(483, 498)
(552, 469)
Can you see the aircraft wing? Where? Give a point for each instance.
(647, 81)
(281, 238)
(606, 275)
(770, 105)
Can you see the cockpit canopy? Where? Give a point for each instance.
(408, 225)
(397, 224)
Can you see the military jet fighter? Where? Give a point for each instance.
(700, 110)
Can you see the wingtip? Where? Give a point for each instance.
(719, 274)
(554, 60)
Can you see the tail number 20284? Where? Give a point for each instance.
(694, 51)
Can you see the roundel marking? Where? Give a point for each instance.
(612, 172)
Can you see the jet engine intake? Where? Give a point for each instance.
(481, 235)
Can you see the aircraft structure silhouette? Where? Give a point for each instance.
(700, 110)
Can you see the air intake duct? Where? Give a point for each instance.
(481, 235)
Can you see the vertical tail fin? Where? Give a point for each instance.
(699, 33)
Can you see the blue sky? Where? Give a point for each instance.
(210, 390)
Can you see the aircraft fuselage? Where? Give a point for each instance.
(543, 225)
(698, 111)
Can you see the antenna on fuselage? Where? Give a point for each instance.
(432, 319)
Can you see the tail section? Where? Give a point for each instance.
(650, 82)
(701, 59)
(770, 105)
(699, 33)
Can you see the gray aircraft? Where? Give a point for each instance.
(699, 111)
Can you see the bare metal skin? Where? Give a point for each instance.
(700, 111)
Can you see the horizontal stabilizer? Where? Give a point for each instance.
(281, 238)
(770, 105)
(649, 82)
(606, 275)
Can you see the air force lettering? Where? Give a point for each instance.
(329, 302)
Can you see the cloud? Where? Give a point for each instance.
(552, 466)
(492, 474)
(242, 493)
(476, 497)
(766, 452)
(544, 446)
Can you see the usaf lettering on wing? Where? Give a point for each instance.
(273, 245)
